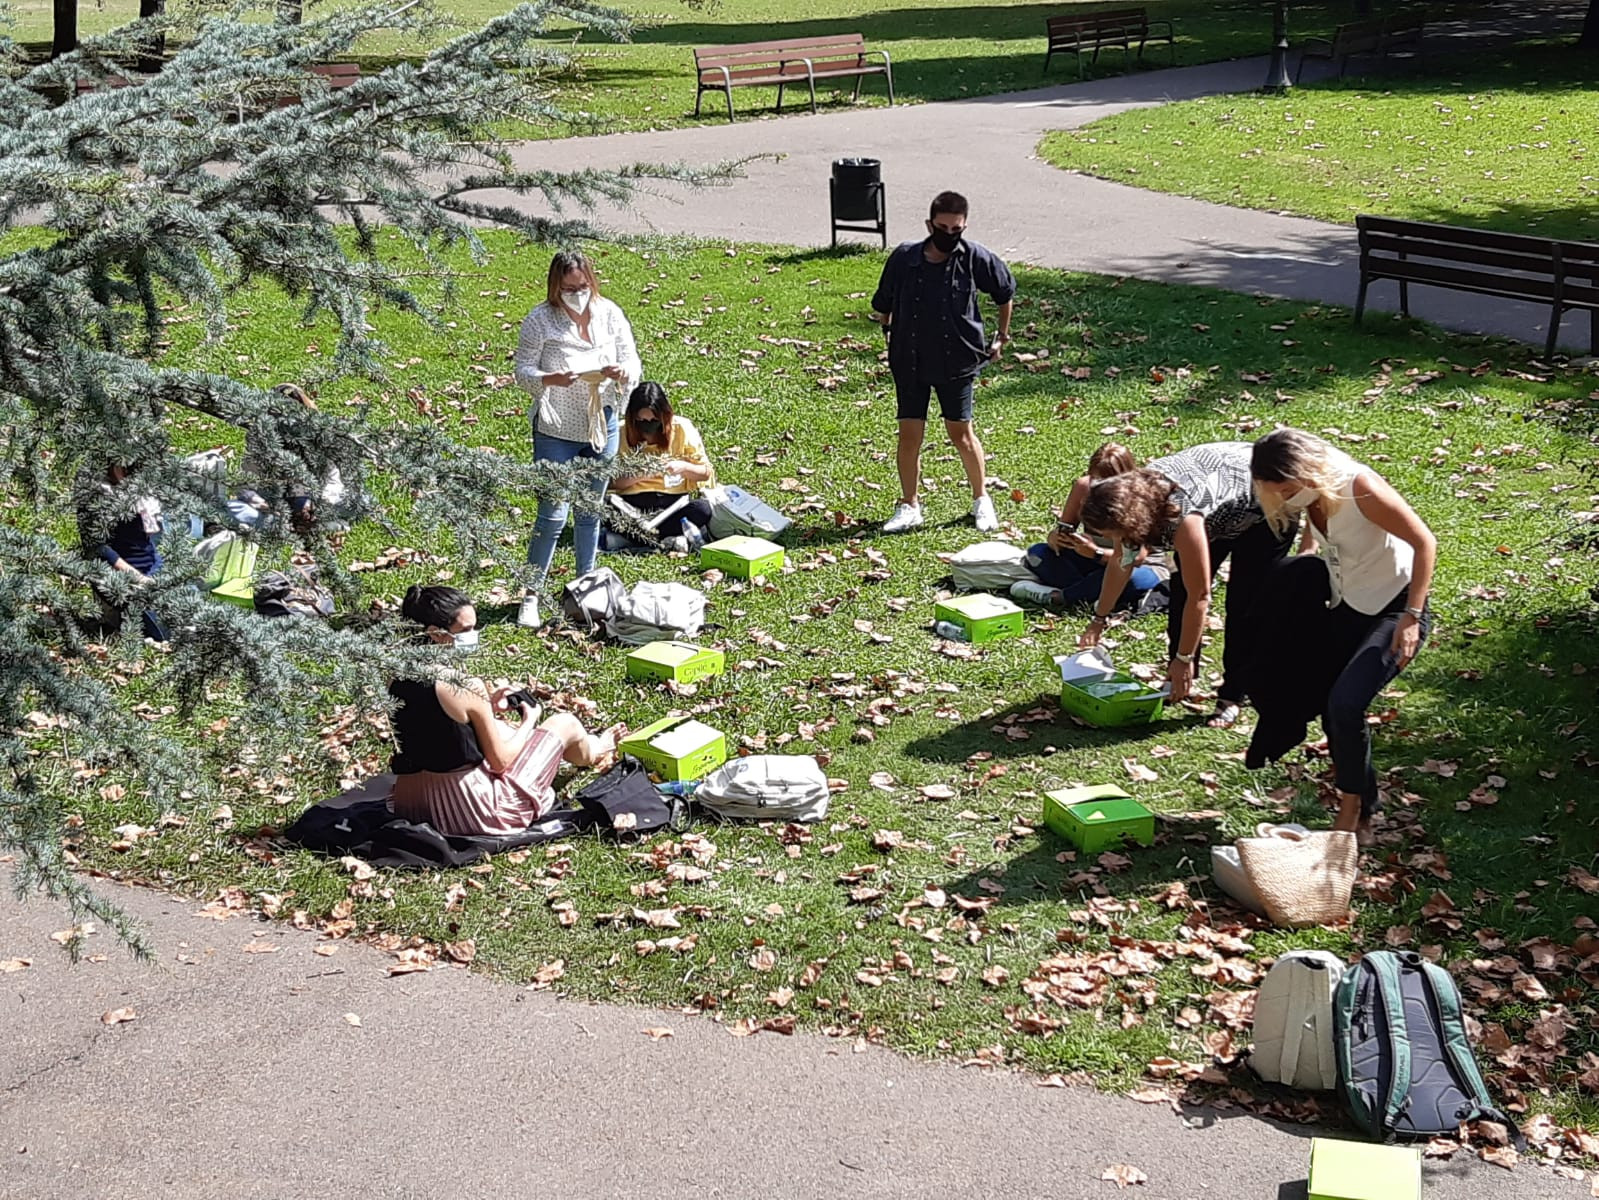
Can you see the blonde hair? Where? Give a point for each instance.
(1288, 454)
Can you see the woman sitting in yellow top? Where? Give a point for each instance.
(651, 427)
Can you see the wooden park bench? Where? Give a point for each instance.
(785, 63)
(1379, 36)
(1511, 266)
(1119, 28)
(336, 75)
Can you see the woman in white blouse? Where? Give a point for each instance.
(577, 357)
(1348, 622)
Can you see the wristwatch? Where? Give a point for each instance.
(1184, 658)
(1415, 612)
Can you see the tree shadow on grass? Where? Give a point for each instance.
(1045, 724)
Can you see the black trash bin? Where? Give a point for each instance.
(858, 200)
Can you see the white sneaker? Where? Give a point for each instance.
(1035, 593)
(984, 516)
(528, 615)
(676, 544)
(906, 517)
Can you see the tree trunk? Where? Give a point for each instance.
(65, 40)
(155, 48)
(1590, 28)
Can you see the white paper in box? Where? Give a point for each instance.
(684, 739)
(1085, 665)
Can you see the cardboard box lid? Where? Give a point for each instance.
(980, 605)
(1093, 663)
(744, 546)
(667, 654)
(1111, 808)
(1066, 797)
(1345, 1170)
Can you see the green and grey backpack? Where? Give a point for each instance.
(1405, 1064)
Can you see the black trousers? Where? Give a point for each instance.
(696, 512)
(1253, 553)
(1364, 644)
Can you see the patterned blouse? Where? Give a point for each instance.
(1212, 480)
(549, 341)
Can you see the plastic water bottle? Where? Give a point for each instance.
(950, 630)
(678, 787)
(693, 535)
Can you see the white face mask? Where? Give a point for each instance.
(577, 301)
(465, 640)
(1301, 500)
(1130, 554)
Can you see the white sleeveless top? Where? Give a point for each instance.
(1369, 566)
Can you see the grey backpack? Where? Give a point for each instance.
(766, 787)
(1404, 1061)
(593, 599)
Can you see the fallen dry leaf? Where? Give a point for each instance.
(1585, 880)
(762, 960)
(1138, 771)
(548, 974)
(1124, 1175)
(1440, 1147)
(14, 964)
(656, 1032)
(463, 951)
(352, 1019)
(117, 1016)
(938, 791)
(1500, 1156)
(326, 950)
(995, 975)
(260, 947)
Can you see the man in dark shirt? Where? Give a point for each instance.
(927, 303)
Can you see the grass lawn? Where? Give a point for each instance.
(939, 51)
(918, 914)
(1506, 145)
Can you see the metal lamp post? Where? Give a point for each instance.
(1277, 71)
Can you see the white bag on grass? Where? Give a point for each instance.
(655, 612)
(766, 787)
(735, 511)
(989, 567)
(1294, 1021)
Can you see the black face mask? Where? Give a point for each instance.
(648, 428)
(944, 241)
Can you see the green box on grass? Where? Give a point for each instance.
(1093, 690)
(677, 748)
(1341, 1170)
(681, 662)
(742, 557)
(1098, 818)
(985, 618)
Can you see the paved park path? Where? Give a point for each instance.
(1024, 208)
(244, 1076)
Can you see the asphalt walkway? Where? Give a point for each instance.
(256, 1068)
(1022, 207)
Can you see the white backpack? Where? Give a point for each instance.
(766, 787)
(735, 511)
(989, 567)
(654, 612)
(1294, 1021)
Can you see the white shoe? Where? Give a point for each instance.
(1035, 593)
(528, 615)
(984, 516)
(676, 544)
(906, 517)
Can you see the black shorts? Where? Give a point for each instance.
(914, 395)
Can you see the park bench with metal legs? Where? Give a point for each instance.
(787, 63)
(1511, 266)
(1113, 29)
(1377, 37)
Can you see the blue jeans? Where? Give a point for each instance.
(1078, 577)
(554, 509)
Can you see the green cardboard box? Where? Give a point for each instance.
(677, 748)
(1098, 818)
(1341, 1170)
(984, 617)
(742, 557)
(681, 662)
(1092, 689)
(231, 575)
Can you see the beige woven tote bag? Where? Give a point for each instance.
(1301, 879)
